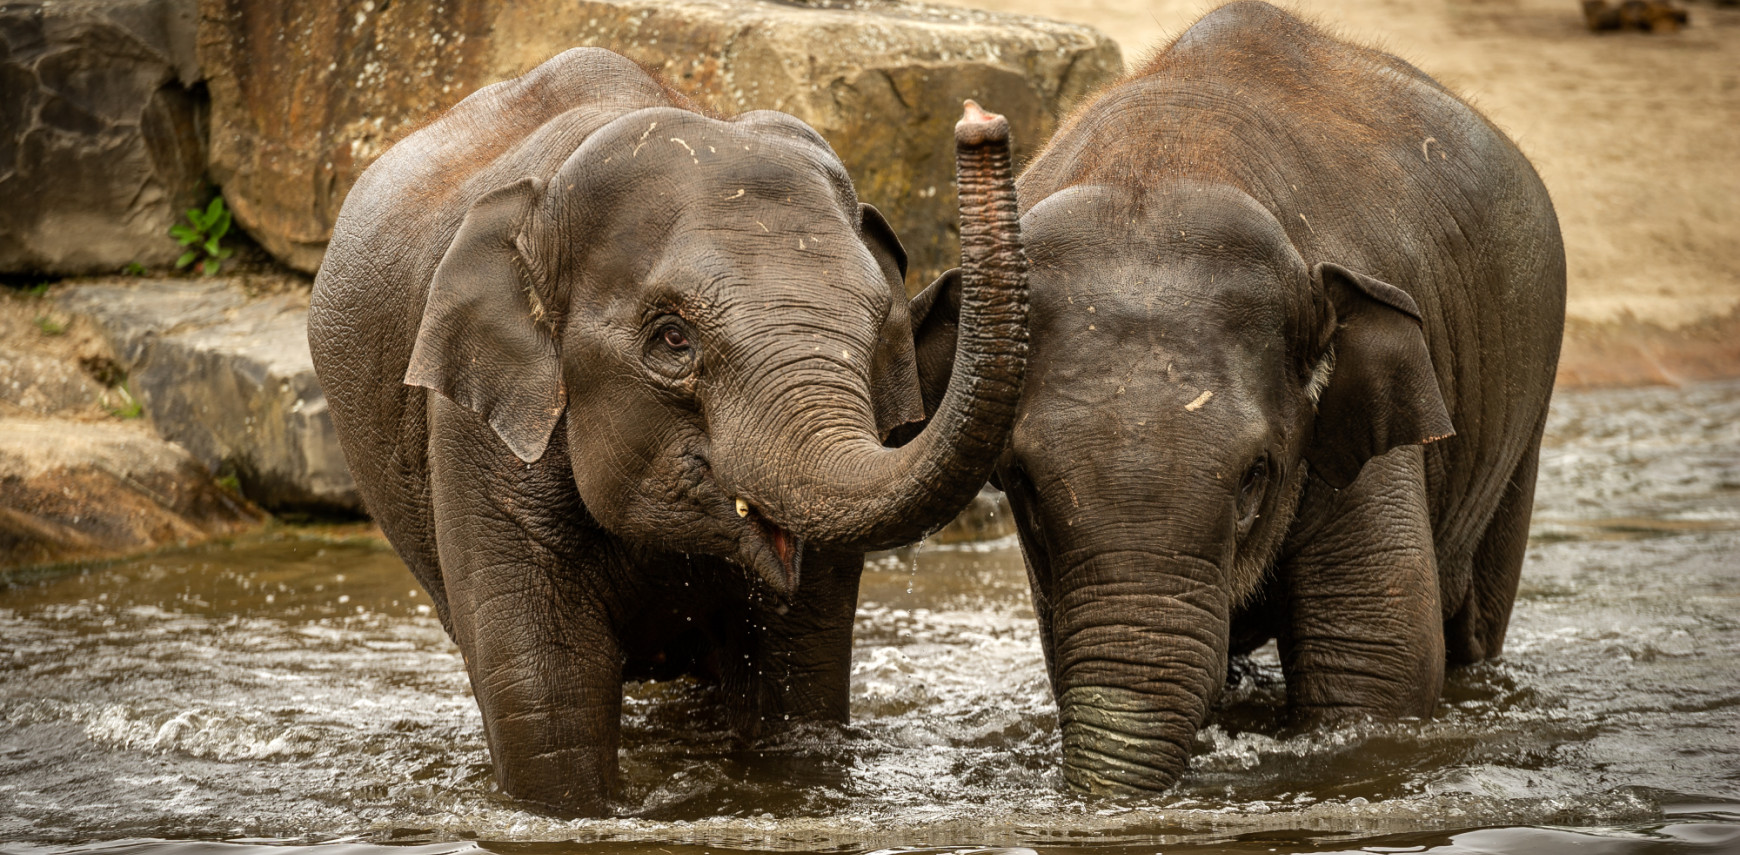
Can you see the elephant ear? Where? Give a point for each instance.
(936, 318)
(936, 315)
(893, 373)
(483, 342)
(1383, 392)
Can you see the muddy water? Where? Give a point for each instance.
(293, 689)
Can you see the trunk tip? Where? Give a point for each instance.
(978, 127)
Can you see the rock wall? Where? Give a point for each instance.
(305, 96)
(229, 378)
(102, 137)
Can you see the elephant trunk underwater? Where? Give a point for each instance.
(854, 494)
(1138, 660)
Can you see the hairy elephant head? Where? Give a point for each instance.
(1188, 370)
(725, 329)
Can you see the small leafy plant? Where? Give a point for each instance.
(130, 407)
(49, 325)
(202, 237)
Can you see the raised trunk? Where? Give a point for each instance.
(1140, 656)
(852, 492)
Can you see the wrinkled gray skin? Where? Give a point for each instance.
(1272, 274)
(613, 376)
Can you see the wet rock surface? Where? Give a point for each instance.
(102, 138)
(305, 96)
(78, 489)
(227, 376)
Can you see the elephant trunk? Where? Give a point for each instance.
(851, 492)
(1139, 657)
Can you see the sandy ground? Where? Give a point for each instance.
(1636, 135)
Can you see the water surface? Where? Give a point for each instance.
(294, 689)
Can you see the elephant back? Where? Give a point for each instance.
(409, 202)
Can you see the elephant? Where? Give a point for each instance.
(614, 376)
(1296, 311)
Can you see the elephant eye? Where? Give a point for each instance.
(1251, 492)
(669, 352)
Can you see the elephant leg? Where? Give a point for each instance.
(1363, 632)
(527, 588)
(1476, 631)
(805, 665)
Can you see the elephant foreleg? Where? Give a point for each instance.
(527, 586)
(551, 700)
(804, 670)
(1363, 632)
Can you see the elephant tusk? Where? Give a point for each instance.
(742, 508)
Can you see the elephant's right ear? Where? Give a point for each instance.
(936, 316)
(1383, 391)
(484, 343)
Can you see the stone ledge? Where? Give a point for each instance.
(72, 490)
(230, 379)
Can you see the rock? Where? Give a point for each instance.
(83, 490)
(33, 384)
(987, 518)
(230, 378)
(305, 96)
(55, 364)
(102, 140)
(1651, 16)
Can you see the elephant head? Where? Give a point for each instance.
(1189, 369)
(725, 328)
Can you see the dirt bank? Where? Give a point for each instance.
(1634, 134)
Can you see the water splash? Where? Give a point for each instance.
(297, 688)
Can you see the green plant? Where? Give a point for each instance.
(229, 482)
(134, 268)
(130, 407)
(49, 326)
(38, 290)
(208, 228)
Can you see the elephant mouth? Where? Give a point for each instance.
(778, 558)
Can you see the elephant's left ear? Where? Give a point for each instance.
(1383, 391)
(893, 372)
(484, 341)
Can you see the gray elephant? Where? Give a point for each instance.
(613, 376)
(1296, 313)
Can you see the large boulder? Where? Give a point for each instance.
(228, 376)
(306, 95)
(72, 489)
(102, 139)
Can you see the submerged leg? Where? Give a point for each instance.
(1364, 632)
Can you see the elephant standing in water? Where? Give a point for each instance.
(614, 375)
(1296, 313)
